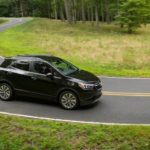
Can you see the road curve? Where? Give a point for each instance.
(13, 22)
(125, 100)
(124, 109)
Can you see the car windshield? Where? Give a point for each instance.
(63, 66)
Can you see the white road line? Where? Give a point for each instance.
(71, 121)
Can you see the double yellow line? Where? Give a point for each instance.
(106, 93)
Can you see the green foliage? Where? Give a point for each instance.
(4, 7)
(2, 21)
(133, 13)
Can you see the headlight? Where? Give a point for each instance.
(86, 86)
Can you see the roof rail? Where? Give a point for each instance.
(33, 55)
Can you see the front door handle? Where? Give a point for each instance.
(33, 78)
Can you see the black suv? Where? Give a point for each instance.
(48, 77)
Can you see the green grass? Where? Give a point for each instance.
(106, 50)
(3, 21)
(28, 134)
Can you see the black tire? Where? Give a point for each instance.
(72, 99)
(6, 92)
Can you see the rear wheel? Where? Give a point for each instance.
(6, 92)
(68, 100)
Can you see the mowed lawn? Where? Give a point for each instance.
(103, 50)
(28, 134)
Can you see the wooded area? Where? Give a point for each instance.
(72, 10)
(130, 12)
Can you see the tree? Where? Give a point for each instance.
(133, 13)
(68, 10)
(130, 13)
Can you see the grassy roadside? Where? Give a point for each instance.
(104, 50)
(2, 21)
(27, 134)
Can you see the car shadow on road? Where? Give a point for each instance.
(51, 103)
(36, 101)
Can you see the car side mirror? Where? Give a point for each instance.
(49, 75)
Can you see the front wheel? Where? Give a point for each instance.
(6, 92)
(68, 100)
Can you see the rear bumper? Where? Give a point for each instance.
(90, 97)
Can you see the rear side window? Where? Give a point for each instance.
(6, 63)
(21, 65)
(42, 68)
(2, 59)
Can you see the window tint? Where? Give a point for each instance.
(7, 63)
(63, 66)
(42, 68)
(21, 65)
(2, 59)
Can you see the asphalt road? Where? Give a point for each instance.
(12, 22)
(125, 100)
(112, 108)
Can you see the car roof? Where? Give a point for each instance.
(33, 57)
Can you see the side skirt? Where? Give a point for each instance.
(19, 92)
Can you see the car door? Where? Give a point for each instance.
(41, 83)
(18, 74)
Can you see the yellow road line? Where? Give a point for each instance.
(106, 93)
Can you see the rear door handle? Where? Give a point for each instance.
(33, 78)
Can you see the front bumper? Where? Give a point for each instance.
(90, 97)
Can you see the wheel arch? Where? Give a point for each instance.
(8, 82)
(13, 94)
(67, 89)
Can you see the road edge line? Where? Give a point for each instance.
(71, 121)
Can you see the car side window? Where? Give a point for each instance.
(42, 68)
(21, 65)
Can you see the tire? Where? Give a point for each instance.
(68, 100)
(6, 92)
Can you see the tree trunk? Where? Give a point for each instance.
(102, 11)
(48, 8)
(92, 16)
(96, 15)
(56, 13)
(21, 8)
(74, 12)
(118, 6)
(107, 11)
(16, 8)
(68, 10)
(83, 11)
(62, 17)
(130, 30)
(88, 14)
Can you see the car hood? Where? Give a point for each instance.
(84, 76)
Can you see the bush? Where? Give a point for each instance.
(133, 13)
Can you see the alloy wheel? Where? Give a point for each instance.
(5, 92)
(68, 100)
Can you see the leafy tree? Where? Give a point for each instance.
(133, 13)
(130, 13)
